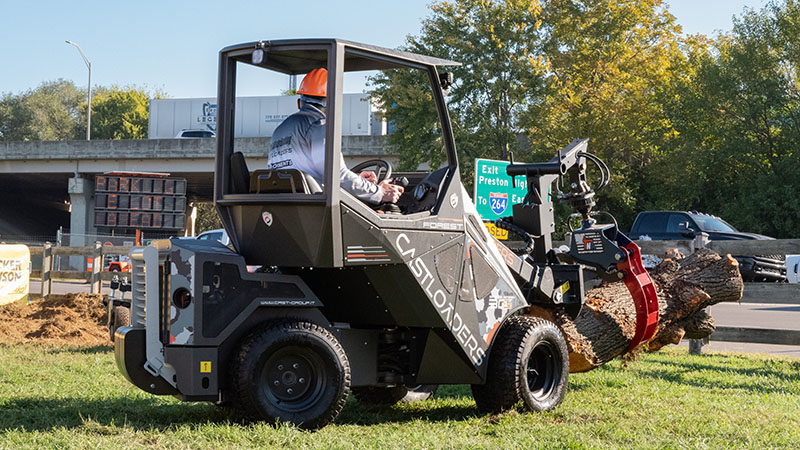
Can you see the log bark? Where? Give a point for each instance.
(685, 286)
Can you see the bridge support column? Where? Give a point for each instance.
(81, 220)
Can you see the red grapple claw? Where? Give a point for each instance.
(641, 287)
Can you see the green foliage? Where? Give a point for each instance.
(684, 122)
(608, 65)
(121, 113)
(738, 118)
(53, 111)
(496, 42)
(75, 397)
(207, 218)
(56, 111)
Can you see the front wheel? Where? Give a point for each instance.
(292, 371)
(528, 364)
(120, 317)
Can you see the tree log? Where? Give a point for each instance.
(685, 286)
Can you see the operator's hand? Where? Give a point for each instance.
(369, 176)
(391, 192)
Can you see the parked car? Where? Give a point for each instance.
(188, 134)
(215, 235)
(683, 225)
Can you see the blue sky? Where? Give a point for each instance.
(172, 45)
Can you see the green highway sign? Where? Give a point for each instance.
(494, 193)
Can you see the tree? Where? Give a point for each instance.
(501, 73)
(121, 113)
(738, 119)
(56, 110)
(609, 63)
(53, 111)
(207, 218)
(553, 70)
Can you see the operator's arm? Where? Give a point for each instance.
(360, 188)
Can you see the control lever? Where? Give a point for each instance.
(400, 181)
(391, 207)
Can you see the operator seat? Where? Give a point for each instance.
(281, 181)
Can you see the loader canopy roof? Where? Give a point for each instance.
(291, 57)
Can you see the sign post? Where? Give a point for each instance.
(495, 193)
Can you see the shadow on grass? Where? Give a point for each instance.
(81, 350)
(687, 370)
(355, 414)
(35, 414)
(677, 371)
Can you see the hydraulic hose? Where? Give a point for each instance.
(507, 223)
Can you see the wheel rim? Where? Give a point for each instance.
(293, 378)
(543, 371)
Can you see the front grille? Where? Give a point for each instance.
(138, 294)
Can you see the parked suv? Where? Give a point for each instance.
(681, 225)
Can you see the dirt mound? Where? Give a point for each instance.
(77, 319)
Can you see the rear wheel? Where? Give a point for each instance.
(528, 364)
(292, 371)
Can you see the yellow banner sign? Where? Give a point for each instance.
(15, 272)
(498, 233)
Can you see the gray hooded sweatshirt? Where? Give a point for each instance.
(299, 143)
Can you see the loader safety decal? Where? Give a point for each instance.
(590, 242)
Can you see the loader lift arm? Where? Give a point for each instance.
(602, 247)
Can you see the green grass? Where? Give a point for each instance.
(62, 397)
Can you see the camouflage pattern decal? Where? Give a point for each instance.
(493, 308)
(181, 321)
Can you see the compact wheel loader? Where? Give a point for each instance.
(373, 301)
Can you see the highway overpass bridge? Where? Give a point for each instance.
(47, 185)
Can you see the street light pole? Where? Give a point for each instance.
(89, 112)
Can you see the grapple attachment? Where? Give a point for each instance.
(642, 289)
(606, 248)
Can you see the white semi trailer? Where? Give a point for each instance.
(255, 116)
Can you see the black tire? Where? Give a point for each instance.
(380, 395)
(292, 371)
(120, 317)
(528, 364)
(420, 392)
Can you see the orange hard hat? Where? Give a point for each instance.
(315, 83)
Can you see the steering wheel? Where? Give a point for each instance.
(384, 168)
